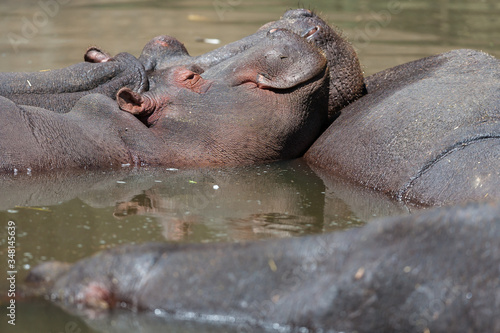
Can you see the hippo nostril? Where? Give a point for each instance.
(262, 76)
(311, 32)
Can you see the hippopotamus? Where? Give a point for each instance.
(264, 98)
(427, 132)
(58, 90)
(402, 131)
(189, 112)
(436, 270)
(191, 121)
(346, 82)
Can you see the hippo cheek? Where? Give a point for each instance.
(179, 91)
(173, 89)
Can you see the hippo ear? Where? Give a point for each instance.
(130, 101)
(96, 55)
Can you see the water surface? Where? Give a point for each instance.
(68, 216)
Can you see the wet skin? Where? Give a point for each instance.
(411, 137)
(264, 98)
(284, 82)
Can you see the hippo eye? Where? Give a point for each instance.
(192, 81)
(190, 76)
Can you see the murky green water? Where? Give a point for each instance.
(384, 32)
(69, 216)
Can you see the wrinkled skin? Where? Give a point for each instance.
(427, 132)
(255, 107)
(346, 77)
(59, 90)
(391, 275)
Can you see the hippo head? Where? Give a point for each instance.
(266, 103)
(346, 83)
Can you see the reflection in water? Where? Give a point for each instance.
(69, 216)
(140, 204)
(272, 225)
(232, 205)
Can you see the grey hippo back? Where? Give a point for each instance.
(427, 132)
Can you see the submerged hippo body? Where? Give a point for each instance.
(435, 270)
(427, 132)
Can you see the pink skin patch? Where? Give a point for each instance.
(95, 55)
(162, 43)
(96, 296)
